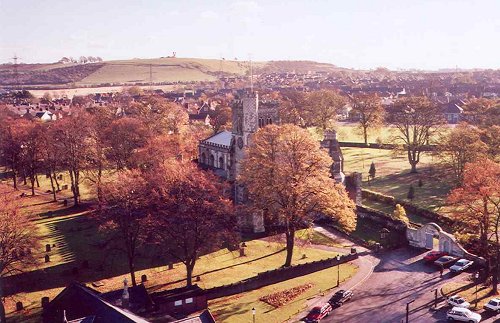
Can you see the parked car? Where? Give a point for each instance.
(318, 313)
(445, 261)
(493, 305)
(457, 301)
(340, 298)
(461, 265)
(434, 255)
(463, 314)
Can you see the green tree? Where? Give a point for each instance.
(411, 193)
(372, 170)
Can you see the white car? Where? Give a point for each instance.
(463, 314)
(457, 301)
(461, 265)
(493, 305)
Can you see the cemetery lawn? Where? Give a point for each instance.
(238, 308)
(74, 239)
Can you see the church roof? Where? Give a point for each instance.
(223, 138)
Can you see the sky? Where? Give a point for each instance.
(361, 34)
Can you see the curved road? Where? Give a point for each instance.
(398, 277)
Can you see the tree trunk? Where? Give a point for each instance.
(365, 135)
(189, 273)
(37, 182)
(14, 178)
(53, 188)
(290, 241)
(73, 189)
(2, 308)
(32, 181)
(413, 167)
(131, 267)
(54, 175)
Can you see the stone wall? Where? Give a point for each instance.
(277, 275)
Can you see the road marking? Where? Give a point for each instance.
(367, 276)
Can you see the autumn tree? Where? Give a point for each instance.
(220, 118)
(321, 108)
(17, 239)
(370, 112)
(125, 136)
(477, 111)
(291, 107)
(477, 205)
(193, 215)
(12, 133)
(71, 141)
(125, 209)
(31, 151)
(417, 121)
(287, 176)
(460, 146)
(400, 214)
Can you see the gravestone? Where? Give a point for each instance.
(19, 306)
(170, 265)
(47, 258)
(47, 247)
(144, 278)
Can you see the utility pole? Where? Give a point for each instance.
(150, 77)
(16, 72)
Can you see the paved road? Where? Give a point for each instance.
(398, 277)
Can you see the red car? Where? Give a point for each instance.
(434, 255)
(318, 313)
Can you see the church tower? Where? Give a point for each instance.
(245, 124)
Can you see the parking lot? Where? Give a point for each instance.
(399, 277)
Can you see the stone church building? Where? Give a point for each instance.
(223, 152)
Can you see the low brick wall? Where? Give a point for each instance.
(380, 146)
(275, 276)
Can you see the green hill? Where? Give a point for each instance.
(126, 72)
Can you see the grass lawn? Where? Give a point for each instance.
(393, 176)
(311, 236)
(469, 292)
(76, 238)
(238, 308)
(350, 132)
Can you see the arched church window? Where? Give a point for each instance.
(211, 160)
(221, 162)
(203, 158)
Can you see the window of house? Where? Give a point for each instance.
(189, 300)
(178, 303)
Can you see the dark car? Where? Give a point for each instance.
(434, 255)
(340, 298)
(445, 261)
(318, 313)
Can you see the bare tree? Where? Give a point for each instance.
(370, 112)
(417, 120)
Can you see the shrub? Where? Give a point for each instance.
(411, 193)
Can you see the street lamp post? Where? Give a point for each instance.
(408, 309)
(253, 314)
(338, 270)
(476, 277)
